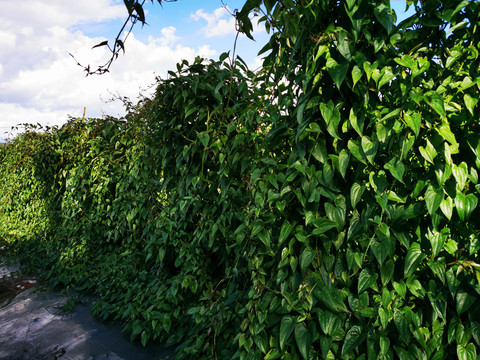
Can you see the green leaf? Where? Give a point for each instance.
(356, 193)
(437, 240)
(465, 205)
(387, 76)
(378, 182)
(433, 199)
(261, 340)
(414, 122)
(429, 153)
(331, 115)
(365, 280)
(386, 272)
(400, 288)
(356, 121)
(342, 42)
(369, 148)
(460, 173)
(306, 257)
(286, 328)
(322, 225)
(337, 71)
(320, 151)
(144, 338)
(355, 150)
(467, 352)
(353, 338)
(382, 244)
(356, 75)
(405, 61)
(204, 138)
(445, 131)
(303, 339)
(343, 159)
(476, 331)
(397, 170)
(435, 100)
(470, 103)
(464, 301)
(384, 16)
(285, 231)
(402, 321)
(331, 298)
(327, 321)
(413, 259)
(246, 26)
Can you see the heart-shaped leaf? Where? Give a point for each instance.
(303, 338)
(460, 173)
(433, 199)
(465, 205)
(435, 100)
(414, 121)
(356, 193)
(331, 115)
(470, 102)
(287, 326)
(447, 207)
(384, 16)
(413, 259)
(353, 338)
(369, 148)
(337, 71)
(429, 153)
(365, 280)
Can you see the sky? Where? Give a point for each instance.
(41, 83)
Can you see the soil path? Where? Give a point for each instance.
(37, 323)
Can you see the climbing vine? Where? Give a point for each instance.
(323, 207)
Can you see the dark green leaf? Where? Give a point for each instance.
(476, 331)
(337, 71)
(433, 199)
(286, 328)
(331, 115)
(285, 231)
(353, 338)
(306, 258)
(204, 138)
(413, 259)
(365, 280)
(435, 100)
(429, 153)
(465, 205)
(470, 103)
(414, 122)
(382, 244)
(384, 16)
(464, 301)
(386, 272)
(303, 339)
(467, 352)
(322, 225)
(356, 193)
(261, 340)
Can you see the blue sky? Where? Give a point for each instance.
(41, 83)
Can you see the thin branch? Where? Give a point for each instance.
(135, 14)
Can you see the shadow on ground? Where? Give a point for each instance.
(37, 323)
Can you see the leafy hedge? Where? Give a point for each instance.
(324, 207)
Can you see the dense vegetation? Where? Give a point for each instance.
(324, 207)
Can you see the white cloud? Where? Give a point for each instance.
(217, 25)
(40, 82)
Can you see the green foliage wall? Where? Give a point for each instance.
(322, 208)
